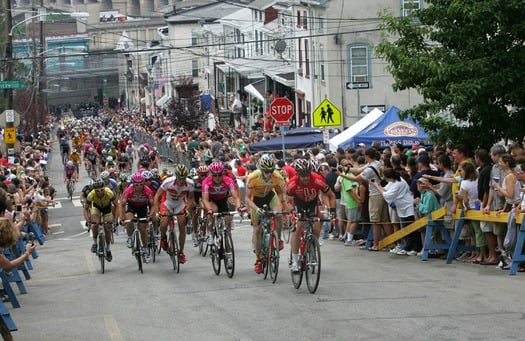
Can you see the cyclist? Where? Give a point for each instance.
(175, 195)
(202, 173)
(136, 199)
(102, 202)
(108, 181)
(75, 157)
(90, 161)
(64, 148)
(70, 173)
(216, 189)
(306, 188)
(265, 186)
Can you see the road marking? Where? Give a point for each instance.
(54, 225)
(77, 203)
(58, 232)
(57, 205)
(67, 198)
(112, 328)
(89, 261)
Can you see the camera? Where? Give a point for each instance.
(339, 168)
(19, 208)
(373, 180)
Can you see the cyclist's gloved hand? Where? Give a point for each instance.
(242, 209)
(210, 212)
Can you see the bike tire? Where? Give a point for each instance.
(174, 251)
(297, 277)
(102, 254)
(203, 242)
(264, 260)
(228, 240)
(287, 227)
(273, 256)
(137, 250)
(152, 247)
(312, 259)
(215, 258)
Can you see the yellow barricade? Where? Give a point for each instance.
(492, 216)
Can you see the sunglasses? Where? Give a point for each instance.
(216, 175)
(99, 189)
(202, 175)
(139, 184)
(268, 171)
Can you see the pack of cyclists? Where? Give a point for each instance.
(113, 196)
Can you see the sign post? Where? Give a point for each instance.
(11, 121)
(282, 110)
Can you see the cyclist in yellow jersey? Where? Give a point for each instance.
(265, 186)
(102, 202)
(75, 157)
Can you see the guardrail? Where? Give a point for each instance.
(168, 152)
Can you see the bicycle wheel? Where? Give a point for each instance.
(215, 258)
(203, 243)
(297, 277)
(264, 260)
(152, 245)
(228, 244)
(101, 251)
(189, 226)
(273, 256)
(173, 249)
(312, 260)
(137, 249)
(287, 227)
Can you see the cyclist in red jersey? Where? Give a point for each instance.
(306, 188)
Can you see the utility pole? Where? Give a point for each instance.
(8, 53)
(42, 108)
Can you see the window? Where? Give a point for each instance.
(321, 24)
(195, 68)
(305, 20)
(298, 19)
(306, 59)
(408, 6)
(194, 40)
(321, 62)
(358, 68)
(300, 71)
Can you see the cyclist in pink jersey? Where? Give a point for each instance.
(216, 190)
(175, 195)
(136, 199)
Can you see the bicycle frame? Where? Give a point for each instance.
(270, 243)
(137, 243)
(223, 244)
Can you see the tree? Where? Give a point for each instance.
(467, 59)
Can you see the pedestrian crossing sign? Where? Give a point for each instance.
(326, 115)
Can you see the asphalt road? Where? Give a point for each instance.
(362, 295)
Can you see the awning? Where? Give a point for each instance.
(255, 67)
(285, 76)
(223, 67)
(164, 101)
(256, 89)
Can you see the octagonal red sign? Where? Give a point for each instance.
(281, 109)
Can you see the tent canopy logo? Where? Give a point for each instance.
(401, 129)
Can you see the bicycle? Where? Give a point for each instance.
(101, 245)
(288, 225)
(153, 245)
(270, 243)
(309, 260)
(71, 188)
(202, 221)
(222, 242)
(136, 242)
(173, 243)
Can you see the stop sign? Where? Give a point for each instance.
(281, 109)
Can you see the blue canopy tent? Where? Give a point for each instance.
(299, 138)
(386, 129)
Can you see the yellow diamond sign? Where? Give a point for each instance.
(326, 115)
(9, 135)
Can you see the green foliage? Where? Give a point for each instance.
(467, 59)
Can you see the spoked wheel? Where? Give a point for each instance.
(152, 247)
(312, 260)
(228, 245)
(287, 227)
(173, 250)
(189, 227)
(273, 256)
(101, 252)
(137, 251)
(203, 242)
(297, 277)
(215, 258)
(264, 260)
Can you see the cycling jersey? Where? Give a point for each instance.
(70, 170)
(260, 187)
(137, 199)
(175, 196)
(311, 191)
(218, 192)
(101, 202)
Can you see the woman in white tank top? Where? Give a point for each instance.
(509, 186)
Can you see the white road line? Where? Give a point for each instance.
(67, 198)
(89, 261)
(77, 203)
(57, 205)
(54, 225)
(112, 328)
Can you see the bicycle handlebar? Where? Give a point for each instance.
(135, 220)
(223, 214)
